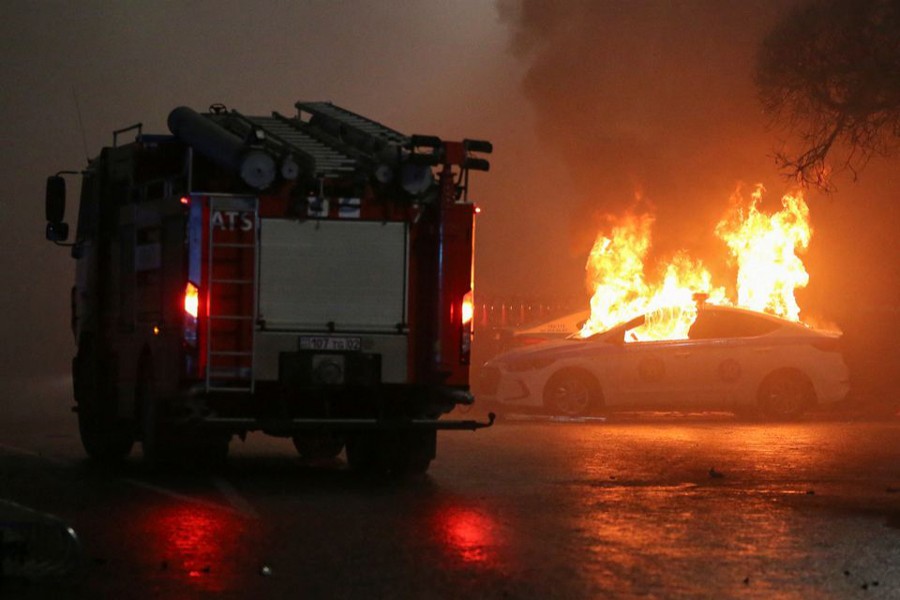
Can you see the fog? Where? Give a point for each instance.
(589, 104)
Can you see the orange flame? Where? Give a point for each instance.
(616, 271)
(764, 248)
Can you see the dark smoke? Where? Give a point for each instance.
(651, 97)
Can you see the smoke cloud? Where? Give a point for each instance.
(650, 99)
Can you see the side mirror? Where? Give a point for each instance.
(55, 199)
(55, 209)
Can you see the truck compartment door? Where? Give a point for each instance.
(333, 275)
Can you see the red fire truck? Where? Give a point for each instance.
(307, 276)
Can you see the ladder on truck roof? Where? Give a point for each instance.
(232, 283)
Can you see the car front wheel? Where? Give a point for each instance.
(570, 394)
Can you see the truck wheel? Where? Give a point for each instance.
(414, 452)
(391, 453)
(156, 435)
(203, 448)
(363, 453)
(314, 446)
(105, 437)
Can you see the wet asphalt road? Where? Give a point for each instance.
(668, 506)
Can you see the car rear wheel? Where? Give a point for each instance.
(571, 394)
(785, 395)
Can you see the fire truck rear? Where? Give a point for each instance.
(307, 276)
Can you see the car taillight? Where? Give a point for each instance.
(828, 344)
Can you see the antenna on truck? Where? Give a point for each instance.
(87, 159)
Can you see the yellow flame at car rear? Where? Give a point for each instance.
(763, 247)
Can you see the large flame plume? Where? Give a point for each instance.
(763, 247)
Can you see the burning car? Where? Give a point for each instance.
(730, 359)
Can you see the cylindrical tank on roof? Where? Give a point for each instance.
(255, 166)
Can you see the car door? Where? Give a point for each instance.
(648, 376)
(707, 370)
(722, 349)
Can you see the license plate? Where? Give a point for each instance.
(326, 342)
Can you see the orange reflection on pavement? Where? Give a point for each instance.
(651, 511)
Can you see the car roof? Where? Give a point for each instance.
(746, 311)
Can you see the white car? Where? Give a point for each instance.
(733, 359)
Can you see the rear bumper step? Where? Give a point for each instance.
(290, 425)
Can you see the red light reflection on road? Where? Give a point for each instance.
(469, 534)
(197, 541)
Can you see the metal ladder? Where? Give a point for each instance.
(232, 314)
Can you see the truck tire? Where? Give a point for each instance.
(415, 453)
(163, 444)
(156, 435)
(315, 446)
(105, 437)
(396, 453)
(362, 452)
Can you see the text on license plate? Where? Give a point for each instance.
(324, 342)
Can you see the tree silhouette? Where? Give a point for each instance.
(829, 73)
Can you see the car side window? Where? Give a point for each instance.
(712, 324)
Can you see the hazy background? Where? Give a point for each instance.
(588, 103)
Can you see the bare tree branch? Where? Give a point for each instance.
(829, 74)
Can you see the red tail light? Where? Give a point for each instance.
(191, 310)
(468, 308)
(466, 312)
(191, 299)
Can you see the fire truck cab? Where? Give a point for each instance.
(305, 276)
